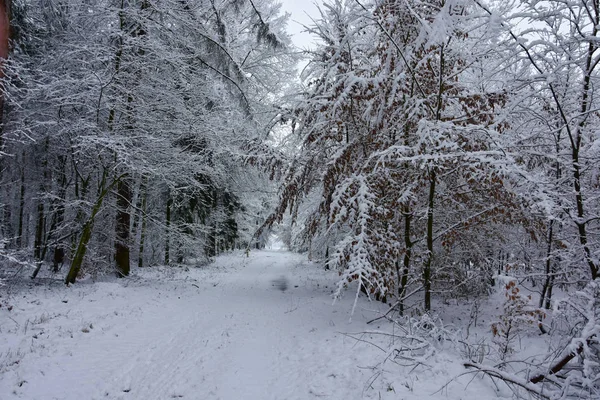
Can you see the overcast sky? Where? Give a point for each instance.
(301, 11)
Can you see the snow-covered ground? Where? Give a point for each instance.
(227, 331)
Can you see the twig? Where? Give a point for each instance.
(392, 308)
(364, 341)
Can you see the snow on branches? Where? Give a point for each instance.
(574, 373)
(400, 149)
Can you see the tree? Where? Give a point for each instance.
(395, 126)
(4, 37)
(556, 64)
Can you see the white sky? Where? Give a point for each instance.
(301, 11)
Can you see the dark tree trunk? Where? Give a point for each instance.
(80, 194)
(58, 259)
(429, 259)
(586, 104)
(38, 251)
(168, 231)
(546, 294)
(406, 260)
(40, 228)
(122, 228)
(39, 232)
(20, 241)
(143, 228)
(57, 220)
(547, 287)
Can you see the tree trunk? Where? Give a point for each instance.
(546, 294)
(143, 228)
(86, 233)
(122, 228)
(168, 231)
(39, 234)
(40, 229)
(4, 48)
(547, 288)
(58, 216)
(124, 192)
(430, 203)
(84, 239)
(429, 259)
(20, 241)
(80, 194)
(586, 104)
(406, 261)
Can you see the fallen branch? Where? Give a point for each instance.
(559, 365)
(508, 378)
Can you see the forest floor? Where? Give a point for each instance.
(226, 331)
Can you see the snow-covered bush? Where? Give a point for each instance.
(419, 338)
(573, 372)
(581, 313)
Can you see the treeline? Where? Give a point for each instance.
(435, 145)
(127, 127)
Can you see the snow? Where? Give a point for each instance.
(227, 331)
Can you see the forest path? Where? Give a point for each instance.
(223, 332)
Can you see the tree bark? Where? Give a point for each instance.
(546, 294)
(122, 258)
(576, 146)
(560, 364)
(168, 231)
(20, 241)
(39, 233)
(429, 259)
(86, 233)
(58, 216)
(406, 260)
(143, 227)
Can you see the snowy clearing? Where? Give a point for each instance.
(226, 331)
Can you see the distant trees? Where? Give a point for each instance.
(129, 122)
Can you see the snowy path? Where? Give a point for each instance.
(213, 334)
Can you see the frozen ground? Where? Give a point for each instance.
(226, 331)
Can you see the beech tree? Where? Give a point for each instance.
(395, 129)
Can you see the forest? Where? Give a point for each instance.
(422, 151)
